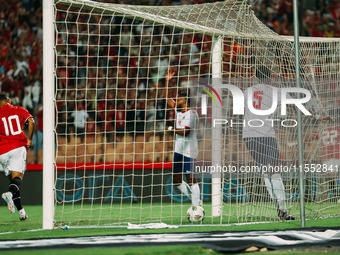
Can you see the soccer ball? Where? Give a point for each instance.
(195, 214)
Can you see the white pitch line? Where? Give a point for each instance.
(22, 231)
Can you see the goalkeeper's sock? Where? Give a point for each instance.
(269, 187)
(14, 188)
(184, 188)
(195, 194)
(279, 191)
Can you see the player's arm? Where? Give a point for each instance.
(314, 108)
(168, 77)
(180, 131)
(318, 113)
(325, 119)
(30, 132)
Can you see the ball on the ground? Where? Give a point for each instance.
(196, 214)
(66, 227)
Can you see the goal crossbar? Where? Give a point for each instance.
(221, 19)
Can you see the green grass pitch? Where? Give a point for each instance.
(12, 228)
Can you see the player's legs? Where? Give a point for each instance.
(177, 178)
(79, 132)
(195, 192)
(264, 151)
(269, 186)
(182, 164)
(189, 165)
(14, 188)
(12, 197)
(257, 150)
(273, 158)
(7, 196)
(16, 164)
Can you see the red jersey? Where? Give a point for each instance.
(12, 120)
(120, 118)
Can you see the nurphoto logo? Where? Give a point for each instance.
(251, 100)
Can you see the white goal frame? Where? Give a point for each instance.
(49, 115)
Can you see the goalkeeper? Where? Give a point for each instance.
(186, 144)
(262, 143)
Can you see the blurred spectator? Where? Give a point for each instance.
(79, 121)
(120, 120)
(160, 114)
(38, 138)
(131, 111)
(316, 20)
(150, 115)
(91, 127)
(21, 66)
(15, 100)
(137, 48)
(36, 94)
(27, 101)
(109, 124)
(140, 114)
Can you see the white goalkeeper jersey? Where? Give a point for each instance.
(262, 99)
(187, 145)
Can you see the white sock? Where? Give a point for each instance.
(269, 187)
(279, 191)
(195, 195)
(184, 188)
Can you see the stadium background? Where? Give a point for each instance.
(21, 78)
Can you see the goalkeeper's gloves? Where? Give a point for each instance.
(325, 119)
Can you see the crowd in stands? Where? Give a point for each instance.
(21, 62)
(319, 18)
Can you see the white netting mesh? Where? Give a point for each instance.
(113, 155)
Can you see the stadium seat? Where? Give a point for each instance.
(120, 148)
(61, 140)
(129, 157)
(138, 157)
(30, 157)
(40, 156)
(140, 139)
(154, 138)
(127, 139)
(149, 147)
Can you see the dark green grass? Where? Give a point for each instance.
(157, 250)
(23, 229)
(121, 214)
(26, 230)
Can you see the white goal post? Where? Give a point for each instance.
(48, 114)
(105, 68)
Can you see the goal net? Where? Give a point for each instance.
(114, 152)
(247, 191)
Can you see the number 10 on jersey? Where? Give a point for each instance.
(8, 125)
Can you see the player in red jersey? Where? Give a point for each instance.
(13, 150)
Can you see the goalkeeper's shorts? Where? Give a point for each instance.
(264, 150)
(183, 164)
